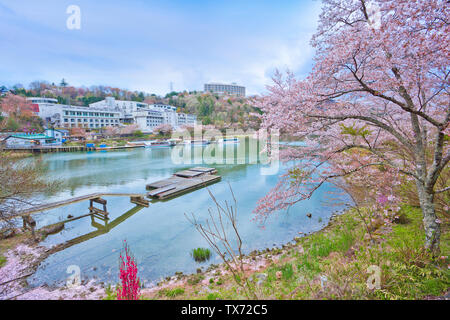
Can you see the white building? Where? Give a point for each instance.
(127, 107)
(39, 105)
(147, 119)
(223, 88)
(185, 119)
(110, 112)
(67, 116)
(146, 116)
(163, 107)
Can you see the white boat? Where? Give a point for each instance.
(197, 142)
(159, 144)
(229, 141)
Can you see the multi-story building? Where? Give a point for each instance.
(110, 112)
(146, 116)
(127, 107)
(222, 88)
(67, 116)
(39, 103)
(147, 120)
(185, 119)
(163, 107)
(87, 117)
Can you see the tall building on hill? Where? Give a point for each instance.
(222, 88)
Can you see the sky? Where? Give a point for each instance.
(146, 45)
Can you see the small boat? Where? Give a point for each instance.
(159, 144)
(136, 143)
(228, 141)
(197, 142)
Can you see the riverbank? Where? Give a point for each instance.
(342, 261)
(19, 258)
(337, 262)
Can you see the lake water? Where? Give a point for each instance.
(160, 237)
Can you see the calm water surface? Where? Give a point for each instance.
(160, 236)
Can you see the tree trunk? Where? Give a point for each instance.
(430, 221)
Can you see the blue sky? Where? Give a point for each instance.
(145, 45)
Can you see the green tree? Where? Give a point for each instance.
(12, 124)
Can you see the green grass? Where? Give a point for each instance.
(213, 296)
(201, 254)
(111, 294)
(342, 253)
(287, 272)
(174, 292)
(2, 261)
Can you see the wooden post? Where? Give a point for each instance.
(140, 201)
(29, 223)
(94, 210)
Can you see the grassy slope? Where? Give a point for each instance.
(342, 253)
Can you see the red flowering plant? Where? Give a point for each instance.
(130, 288)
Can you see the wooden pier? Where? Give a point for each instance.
(92, 196)
(182, 182)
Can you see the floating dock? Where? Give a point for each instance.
(183, 182)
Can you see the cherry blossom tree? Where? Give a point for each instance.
(375, 107)
(163, 129)
(129, 129)
(111, 131)
(15, 105)
(77, 132)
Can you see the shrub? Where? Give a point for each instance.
(174, 292)
(138, 133)
(201, 254)
(130, 288)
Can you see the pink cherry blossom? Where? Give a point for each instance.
(374, 110)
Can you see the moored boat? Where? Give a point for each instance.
(196, 142)
(228, 141)
(159, 144)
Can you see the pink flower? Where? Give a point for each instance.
(130, 289)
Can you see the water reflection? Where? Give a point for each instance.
(160, 236)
